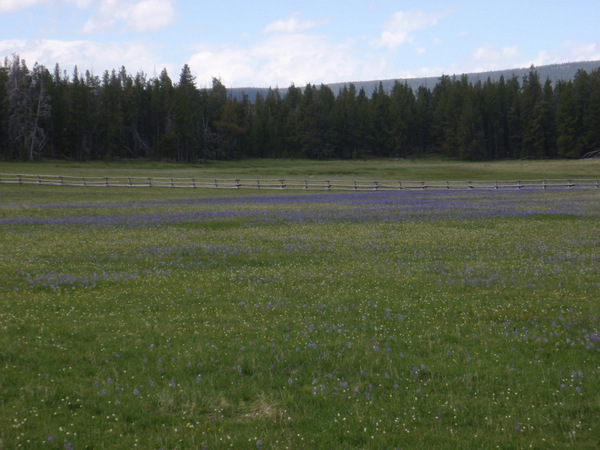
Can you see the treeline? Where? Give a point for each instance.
(80, 117)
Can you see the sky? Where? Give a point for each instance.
(262, 43)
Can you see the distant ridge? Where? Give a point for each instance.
(554, 72)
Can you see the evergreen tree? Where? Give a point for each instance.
(228, 129)
(531, 96)
(513, 133)
(423, 121)
(79, 119)
(567, 129)
(543, 126)
(380, 122)
(402, 120)
(119, 115)
(164, 141)
(141, 118)
(111, 139)
(186, 114)
(259, 128)
(571, 116)
(448, 100)
(316, 122)
(591, 115)
(273, 121)
(364, 142)
(345, 123)
(290, 123)
(4, 114)
(494, 118)
(470, 132)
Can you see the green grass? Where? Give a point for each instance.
(410, 320)
(379, 169)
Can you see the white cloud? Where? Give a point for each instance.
(86, 55)
(489, 57)
(291, 25)
(287, 54)
(150, 15)
(140, 15)
(281, 60)
(399, 30)
(229, 65)
(576, 51)
(302, 58)
(17, 5)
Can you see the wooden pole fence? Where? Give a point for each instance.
(297, 184)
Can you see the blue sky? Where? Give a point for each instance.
(275, 43)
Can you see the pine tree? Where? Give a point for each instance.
(402, 120)
(531, 96)
(380, 133)
(186, 114)
(290, 123)
(591, 117)
(423, 121)
(228, 130)
(4, 113)
(543, 126)
(470, 132)
(566, 141)
(164, 143)
(512, 102)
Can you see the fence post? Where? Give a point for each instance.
(237, 184)
(19, 178)
(61, 181)
(106, 181)
(257, 184)
(305, 185)
(216, 185)
(570, 185)
(470, 183)
(194, 183)
(129, 181)
(282, 186)
(399, 185)
(375, 185)
(447, 185)
(39, 180)
(149, 182)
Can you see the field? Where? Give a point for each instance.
(166, 318)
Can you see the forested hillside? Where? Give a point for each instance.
(46, 114)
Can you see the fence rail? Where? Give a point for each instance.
(294, 184)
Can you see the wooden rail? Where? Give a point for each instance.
(295, 184)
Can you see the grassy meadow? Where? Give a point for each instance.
(376, 169)
(180, 318)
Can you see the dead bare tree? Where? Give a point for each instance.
(28, 106)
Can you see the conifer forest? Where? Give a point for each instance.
(50, 114)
